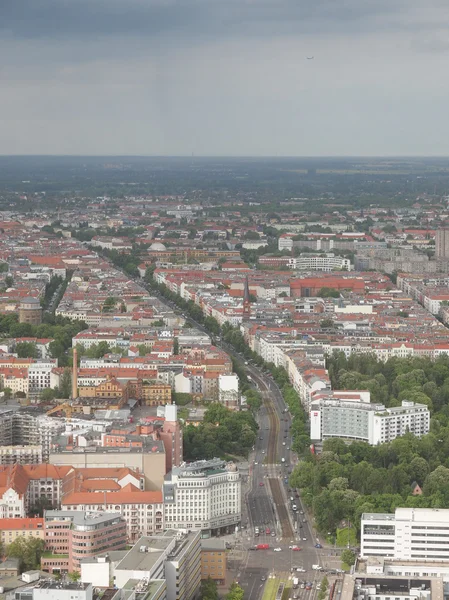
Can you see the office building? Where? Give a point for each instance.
(359, 586)
(173, 556)
(204, 495)
(414, 534)
(55, 590)
(71, 536)
(351, 416)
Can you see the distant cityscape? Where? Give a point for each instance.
(214, 384)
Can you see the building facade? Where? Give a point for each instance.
(71, 536)
(204, 495)
(413, 534)
(442, 243)
(350, 415)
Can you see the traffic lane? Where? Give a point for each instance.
(261, 512)
(253, 581)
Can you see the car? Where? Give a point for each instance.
(304, 539)
(256, 463)
(318, 546)
(263, 451)
(261, 484)
(288, 447)
(296, 549)
(260, 438)
(273, 534)
(263, 578)
(318, 586)
(283, 443)
(285, 436)
(308, 587)
(302, 586)
(277, 549)
(267, 531)
(301, 512)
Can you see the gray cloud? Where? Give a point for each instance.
(62, 19)
(224, 76)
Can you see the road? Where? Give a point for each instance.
(269, 503)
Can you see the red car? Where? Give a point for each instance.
(296, 548)
(267, 531)
(261, 484)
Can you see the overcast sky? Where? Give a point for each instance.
(224, 77)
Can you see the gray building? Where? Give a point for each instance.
(173, 556)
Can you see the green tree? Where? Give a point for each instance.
(65, 385)
(176, 346)
(28, 551)
(74, 576)
(47, 395)
(42, 504)
(327, 324)
(348, 557)
(209, 590)
(26, 350)
(235, 592)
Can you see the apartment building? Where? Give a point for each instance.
(174, 556)
(213, 560)
(413, 534)
(22, 455)
(71, 536)
(320, 262)
(28, 427)
(204, 495)
(350, 415)
(11, 529)
(22, 486)
(148, 459)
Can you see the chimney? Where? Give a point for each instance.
(75, 374)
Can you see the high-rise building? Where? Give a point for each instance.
(442, 243)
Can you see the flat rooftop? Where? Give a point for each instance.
(81, 517)
(139, 560)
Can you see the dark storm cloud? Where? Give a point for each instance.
(198, 18)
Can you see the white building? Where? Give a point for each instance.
(228, 390)
(414, 534)
(204, 495)
(319, 262)
(55, 590)
(350, 415)
(40, 376)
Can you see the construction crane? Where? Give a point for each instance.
(61, 407)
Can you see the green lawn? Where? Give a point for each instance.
(51, 555)
(271, 587)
